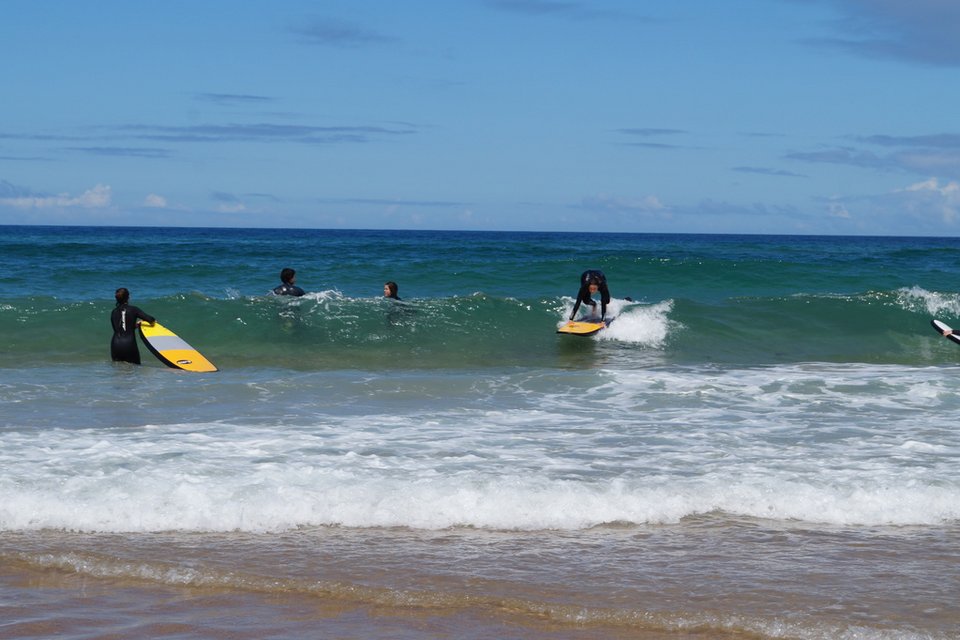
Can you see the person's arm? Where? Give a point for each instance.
(145, 316)
(576, 306)
(584, 298)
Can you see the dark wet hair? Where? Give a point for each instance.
(390, 284)
(287, 275)
(122, 296)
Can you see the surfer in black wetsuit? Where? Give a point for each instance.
(125, 318)
(390, 290)
(287, 287)
(591, 282)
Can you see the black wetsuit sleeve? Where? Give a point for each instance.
(583, 296)
(149, 319)
(576, 306)
(121, 318)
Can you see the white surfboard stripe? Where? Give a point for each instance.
(168, 343)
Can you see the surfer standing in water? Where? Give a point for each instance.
(125, 318)
(287, 287)
(592, 281)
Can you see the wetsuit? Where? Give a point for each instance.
(123, 346)
(287, 289)
(583, 296)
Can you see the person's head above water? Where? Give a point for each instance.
(122, 295)
(287, 275)
(390, 289)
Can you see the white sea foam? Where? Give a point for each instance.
(643, 324)
(834, 444)
(289, 495)
(933, 303)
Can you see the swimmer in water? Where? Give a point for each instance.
(390, 289)
(287, 287)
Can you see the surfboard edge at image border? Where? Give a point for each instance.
(940, 327)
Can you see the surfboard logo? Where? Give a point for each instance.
(184, 361)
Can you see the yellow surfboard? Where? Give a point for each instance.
(581, 328)
(172, 350)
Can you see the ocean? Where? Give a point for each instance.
(763, 444)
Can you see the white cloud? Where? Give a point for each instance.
(155, 202)
(838, 210)
(231, 207)
(945, 199)
(98, 197)
(613, 203)
(950, 190)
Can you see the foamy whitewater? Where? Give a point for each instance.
(587, 448)
(764, 443)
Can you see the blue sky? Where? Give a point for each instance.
(740, 116)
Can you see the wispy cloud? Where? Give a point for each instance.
(916, 31)
(931, 155)
(98, 197)
(39, 137)
(716, 208)
(232, 99)
(843, 155)
(154, 201)
(938, 140)
(10, 190)
(228, 203)
(535, 7)
(27, 158)
(395, 202)
(928, 207)
(648, 132)
(605, 202)
(652, 145)
(766, 171)
(333, 33)
(124, 152)
(265, 132)
(563, 8)
(261, 132)
(942, 199)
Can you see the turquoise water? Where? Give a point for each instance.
(478, 299)
(762, 444)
